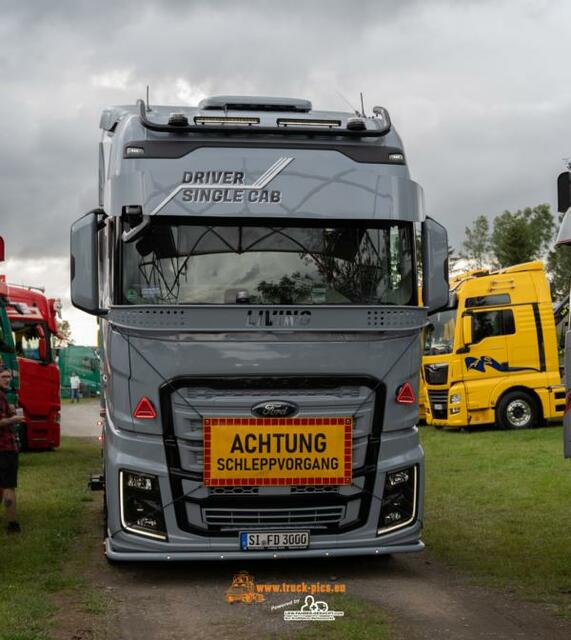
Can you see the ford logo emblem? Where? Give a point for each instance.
(275, 409)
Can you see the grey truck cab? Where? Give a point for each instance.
(253, 264)
(564, 238)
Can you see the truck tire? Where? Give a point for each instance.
(517, 410)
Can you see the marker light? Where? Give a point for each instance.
(178, 120)
(405, 394)
(356, 124)
(134, 151)
(145, 410)
(396, 157)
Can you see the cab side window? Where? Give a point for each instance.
(492, 323)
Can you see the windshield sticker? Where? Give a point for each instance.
(210, 185)
(150, 292)
(319, 295)
(132, 295)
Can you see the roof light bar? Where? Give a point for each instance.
(351, 131)
(301, 122)
(225, 120)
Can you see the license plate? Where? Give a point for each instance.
(261, 540)
(439, 407)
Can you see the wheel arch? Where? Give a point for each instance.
(530, 392)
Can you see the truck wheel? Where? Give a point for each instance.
(517, 410)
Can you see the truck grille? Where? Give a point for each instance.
(211, 510)
(314, 518)
(440, 399)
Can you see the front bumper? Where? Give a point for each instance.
(146, 454)
(181, 556)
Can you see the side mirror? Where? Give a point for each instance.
(563, 192)
(564, 233)
(467, 330)
(84, 263)
(435, 289)
(43, 345)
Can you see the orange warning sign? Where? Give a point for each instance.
(277, 451)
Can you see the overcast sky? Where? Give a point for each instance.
(479, 91)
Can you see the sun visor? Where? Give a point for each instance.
(263, 182)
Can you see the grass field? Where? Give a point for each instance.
(52, 498)
(499, 508)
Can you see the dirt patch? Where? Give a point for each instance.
(183, 600)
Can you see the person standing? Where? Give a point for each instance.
(8, 453)
(75, 383)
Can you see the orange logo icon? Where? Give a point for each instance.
(243, 589)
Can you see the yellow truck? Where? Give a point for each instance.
(492, 355)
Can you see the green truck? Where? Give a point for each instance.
(85, 362)
(7, 350)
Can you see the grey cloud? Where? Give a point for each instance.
(475, 89)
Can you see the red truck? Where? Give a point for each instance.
(33, 319)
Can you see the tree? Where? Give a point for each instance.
(65, 332)
(476, 245)
(522, 236)
(559, 269)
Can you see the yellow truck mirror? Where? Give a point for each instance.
(467, 329)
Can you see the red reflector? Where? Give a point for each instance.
(405, 394)
(145, 410)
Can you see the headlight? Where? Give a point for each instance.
(399, 506)
(455, 398)
(141, 505)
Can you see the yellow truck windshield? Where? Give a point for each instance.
(439, 334)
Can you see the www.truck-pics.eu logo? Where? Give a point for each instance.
(219, 186)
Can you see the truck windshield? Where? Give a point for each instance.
(281, 263)
(439, 333)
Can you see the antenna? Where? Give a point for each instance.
(148, 102)
(347, 101)
(362, 105)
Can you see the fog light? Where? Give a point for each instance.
(392, 517)
(135, 481)
(455, 398)
(399, 505)
(141, 505)
(397, 478)
(454, 410)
